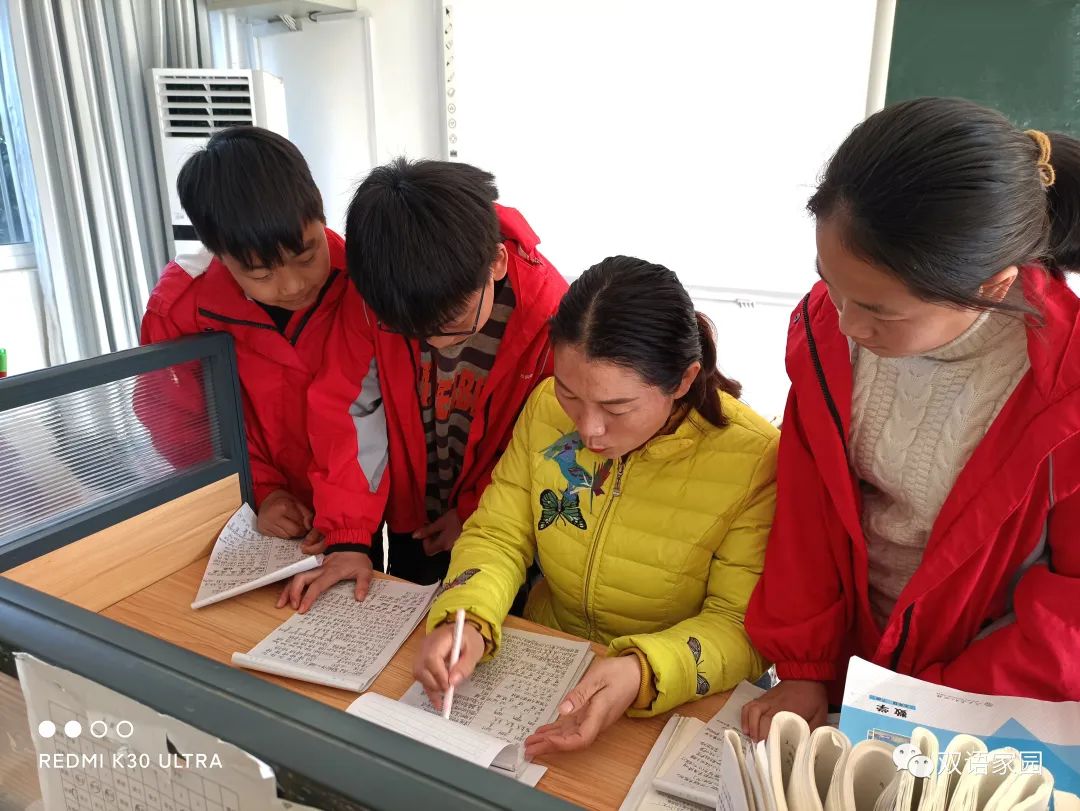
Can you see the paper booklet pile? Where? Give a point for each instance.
(895, 763)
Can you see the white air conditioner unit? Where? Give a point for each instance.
(191, 106)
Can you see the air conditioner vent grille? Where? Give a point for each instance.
(195, 107)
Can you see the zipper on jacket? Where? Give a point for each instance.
(240, 322)
(421, 474)
(616, 491)
(904, 631)
(243, 322)
(820, 370)
(311, 310)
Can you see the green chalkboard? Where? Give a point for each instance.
(1019, 56)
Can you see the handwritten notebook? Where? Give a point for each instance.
(341, 642)
(464, 742)
(476, 747)
(244, 559)
(518, 691)
(695, 775)
(504, 702)
(675, 737)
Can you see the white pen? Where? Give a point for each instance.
(459, 629)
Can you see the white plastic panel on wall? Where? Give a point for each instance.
(326, 70)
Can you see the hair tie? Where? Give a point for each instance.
(1046, 171)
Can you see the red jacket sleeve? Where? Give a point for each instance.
(171, 403)
(265, 478)
(796, 616)
(1034, 654)
(347, 428)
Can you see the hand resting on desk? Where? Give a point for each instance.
(304, 589)
(602, 697)
(604, 694)
(283, 515)
(804, 698)
(314, 543)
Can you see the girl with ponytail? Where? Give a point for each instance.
(928, 515)
(645, 490)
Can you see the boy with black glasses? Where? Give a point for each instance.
(436, 348)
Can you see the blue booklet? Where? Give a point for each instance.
(885, 706)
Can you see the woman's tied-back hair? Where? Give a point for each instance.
(638, 315)
(1064, 204)
(945, 193)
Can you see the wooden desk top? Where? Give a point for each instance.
(597, 777)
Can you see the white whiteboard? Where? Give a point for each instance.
(686, 132)
(750, 346)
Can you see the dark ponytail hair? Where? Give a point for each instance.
(637, 314)
(1064, 202)
(944, 194)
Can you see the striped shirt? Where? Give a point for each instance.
(449, 394)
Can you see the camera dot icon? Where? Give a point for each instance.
(97, 729)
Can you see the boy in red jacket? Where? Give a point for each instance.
(437, 347)
(271, 275)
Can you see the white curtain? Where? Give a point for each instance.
(82, 67)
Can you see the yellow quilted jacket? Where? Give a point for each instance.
(656, 553)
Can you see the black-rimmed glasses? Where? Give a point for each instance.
(444, 333)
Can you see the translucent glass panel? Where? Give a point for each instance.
(77, 450)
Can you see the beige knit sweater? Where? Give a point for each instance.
(915, 422)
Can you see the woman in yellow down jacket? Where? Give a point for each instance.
(645, 488)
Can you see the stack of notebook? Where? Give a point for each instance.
(696, 765)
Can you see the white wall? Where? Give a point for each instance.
(325, 69)
(333, 81)
(407, 83)
(690, 133)
(21, 327)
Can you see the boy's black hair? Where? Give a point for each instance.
(945, 193)
(420, 238)
(249, 194)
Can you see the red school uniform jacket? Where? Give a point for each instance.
(995, 605)
(364, 414)
(198, 294)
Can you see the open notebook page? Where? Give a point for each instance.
(517, 691)
(675, 737)
(413, 722)
(734, 790)
(341, 642)
(695, 774)
(244, 559)
(433, 730)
